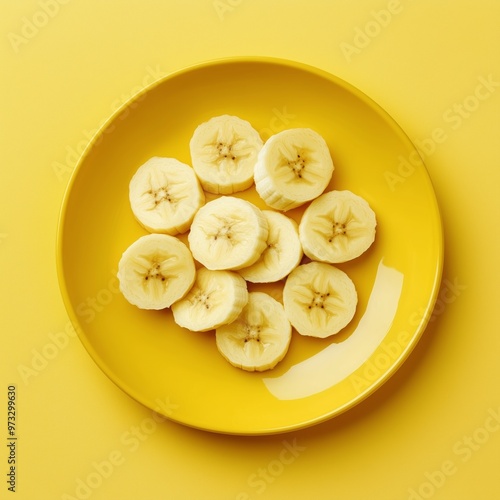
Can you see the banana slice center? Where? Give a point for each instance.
(319, 300)
(202, 298)
(225, 151)
(336, 226)
(338, 229)
(225, 230)
(297, 165)
(152, 270)
(252, 333)
(161, 195)
(154, 273)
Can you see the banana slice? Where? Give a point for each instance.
(319, 299)
(259, 338)
(337, 227)
(293, 167)
(216, 298)
(283, 252)
(164, 195)
(228, 233)
(223, 153)
(155, 271)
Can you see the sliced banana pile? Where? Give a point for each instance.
(232, 242)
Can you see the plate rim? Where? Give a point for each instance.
(232, 60)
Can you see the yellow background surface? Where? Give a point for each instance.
(432, 431)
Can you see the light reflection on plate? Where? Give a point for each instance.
(338, 361)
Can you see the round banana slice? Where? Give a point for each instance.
(155, 271)
(223, 153)
(319, 299)
(216, 298)
(164, 195)
(292, 168)
(259, 338)
(228, 233)
(337, 227)
(282, 254)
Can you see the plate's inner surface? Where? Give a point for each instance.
(181, 374)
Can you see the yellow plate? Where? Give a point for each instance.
(181, 375)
